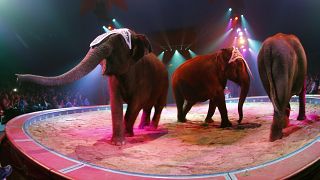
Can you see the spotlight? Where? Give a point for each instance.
(113, 20)
(15, 90)
(109, 27)
(240, 33)
(242, 15)
(230, 9)
(238, 29)
(105, 28)
(236, 18)
(244, 50)
(241, 40)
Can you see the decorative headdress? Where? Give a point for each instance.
(237, 55)
(123, 31)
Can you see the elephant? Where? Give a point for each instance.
(282, 66)
(135, 76)
(204, 77)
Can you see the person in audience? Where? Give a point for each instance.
(5, 171)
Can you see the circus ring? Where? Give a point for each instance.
(66, 150)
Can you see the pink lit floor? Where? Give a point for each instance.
(178, 148)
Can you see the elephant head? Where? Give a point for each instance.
(237, 70)
(114, 49)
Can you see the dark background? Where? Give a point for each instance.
(48, 37)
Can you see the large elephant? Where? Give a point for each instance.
(136, 77)
(205, 77)
(282, 65)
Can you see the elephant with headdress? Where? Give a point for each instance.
(136, 76)
(205, 77)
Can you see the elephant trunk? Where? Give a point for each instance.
(243, 94)
(89, 62)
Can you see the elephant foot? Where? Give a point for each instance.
(239, 121)
(182, 120)
(118, 141)
(151, 128)
(225, 124)
(208, 120)
(129, 133)
(276, 132)
(301, 117)
(142, 125)
(275, 136)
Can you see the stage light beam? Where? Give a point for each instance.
(176, 60)
(228, 14)
(218, 42)
(192, 54)
(160, 56)
(116, 23)
(254, 47)
(105, 29)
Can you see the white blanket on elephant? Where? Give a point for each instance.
(236, 54)
(123, 31)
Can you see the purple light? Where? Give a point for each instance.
(229, 25)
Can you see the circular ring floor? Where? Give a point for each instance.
(74, 142)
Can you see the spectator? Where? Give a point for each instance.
(61, 104)
(68, 103)
(5, 171)
(86, 102)
(315, 85)
(33, 98)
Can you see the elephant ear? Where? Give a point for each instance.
(226, 53)
(140, 46)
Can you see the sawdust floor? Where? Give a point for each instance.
(179, 148)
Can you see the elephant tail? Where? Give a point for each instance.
(268, 62)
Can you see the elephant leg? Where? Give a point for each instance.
(302, 103)
(223, 110)
(130, 117)
(157, 111)
(116, 112)
(145, 118)
(212, 109)
(277, 126)
(186, 109)
(281, 110)
(179, 102)
(156, 118)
